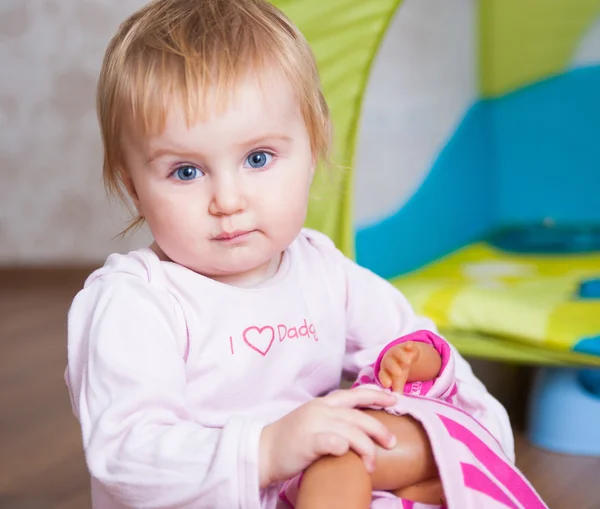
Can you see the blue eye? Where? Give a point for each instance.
(259, 159)
(187, 172)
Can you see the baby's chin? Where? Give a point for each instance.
(240, 263)
(242, 274)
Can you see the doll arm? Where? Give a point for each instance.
(410, 361)
(408, 470)
(442, 386)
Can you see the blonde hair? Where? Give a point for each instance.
(186, 48)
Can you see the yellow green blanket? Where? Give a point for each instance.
(515, 307)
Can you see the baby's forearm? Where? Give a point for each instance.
(264, 458)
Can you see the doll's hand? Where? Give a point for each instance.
(409, 362)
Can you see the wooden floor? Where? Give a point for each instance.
(41, 464)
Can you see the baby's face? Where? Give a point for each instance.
(226, 196)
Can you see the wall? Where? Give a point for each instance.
(547, 155)
(420, 136)
(525, 42)
(53, 209)
(424, 83)
(541, 81)
(52, 205)
(468, 128)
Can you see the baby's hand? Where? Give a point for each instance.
(324, 426)
(409, 362)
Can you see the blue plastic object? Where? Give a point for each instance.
(550, 239)
(590, 378)
(539, 147)
(564, 416)
(590, 289)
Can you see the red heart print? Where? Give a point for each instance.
(259, 339)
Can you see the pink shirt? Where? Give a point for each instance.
(173, 375)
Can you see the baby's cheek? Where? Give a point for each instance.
(289, 207)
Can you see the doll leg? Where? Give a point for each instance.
(428, 492)
(409, 471)
(410, 461)
(335, 482)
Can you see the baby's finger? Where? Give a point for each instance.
(375, 429)
(330, 443)
(352, 398)
(359, 442)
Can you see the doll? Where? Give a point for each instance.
(443, 456)
(409, 470)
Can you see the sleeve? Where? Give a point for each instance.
(473, 397)
(127, 382)
(442, 387)
(376, 312)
